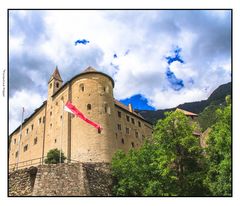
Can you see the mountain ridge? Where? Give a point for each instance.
(217, 97)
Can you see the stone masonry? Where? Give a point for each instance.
(68, 179)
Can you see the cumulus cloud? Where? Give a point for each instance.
(144, 43)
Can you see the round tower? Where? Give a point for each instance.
(92, 94)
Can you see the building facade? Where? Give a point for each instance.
(50, 127)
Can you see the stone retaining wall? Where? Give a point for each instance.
(68, 179)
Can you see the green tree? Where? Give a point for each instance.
(53, 157)
(171, 164)
(219, 154)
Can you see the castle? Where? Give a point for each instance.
(49, 127)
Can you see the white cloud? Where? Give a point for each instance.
(27, 99)
(150, 36)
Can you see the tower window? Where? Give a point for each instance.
(122, 141)
(15, 141)
(35, 141)
(50, 86)
(81, 86)
(89, 107)
(25, 148)
(57, 84)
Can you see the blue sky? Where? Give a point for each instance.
(157, 58)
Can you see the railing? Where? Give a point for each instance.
(34, 162)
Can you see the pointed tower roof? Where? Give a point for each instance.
(56, 75)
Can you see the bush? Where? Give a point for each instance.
(53, 157)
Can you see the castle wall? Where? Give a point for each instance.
(31, 143)
(78, 179)
(79, 140)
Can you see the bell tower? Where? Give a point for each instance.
(54, 83)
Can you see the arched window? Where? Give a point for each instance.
(81, 86)
(89, 107)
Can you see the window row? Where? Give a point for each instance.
(128, 119)
(132, 143)
(82, 88)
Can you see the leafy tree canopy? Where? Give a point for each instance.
(53, 157)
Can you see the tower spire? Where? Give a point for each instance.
(56, 75)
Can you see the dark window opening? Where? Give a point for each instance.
(122, 141)
(57, 84)
(81, 87)
(139, 124)
(44, 119)
(132, 144)
(32, 126)
(35, 140)
(50, 113)
(127, 130)
(89, 107)
(128, 119)
(133, 121)
(40, 120)
(27, 130)
(25, 148)
(55, 141)
(136, 134)
(16, 154)
(50, 85)
(15, 141)
(119, 127)
(119, 114)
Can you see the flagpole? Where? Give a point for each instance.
(60, 158)
(20, 137)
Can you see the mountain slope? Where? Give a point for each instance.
(217, 97)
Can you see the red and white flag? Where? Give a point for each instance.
(72, 109)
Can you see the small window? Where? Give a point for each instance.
(25, 148)
(61, 117)
(57, 84)
(128, 119)
(89, 107)
(35, 141)
(127, 130)
(27, 131)
(81, 86)
(136, 134)
(50, 86)
(50, 113)
(40, 120)
(133, 121)
(16, 154)
(32, 126)
(119, 127)
(15, 141)
(44, 119)
(132, 144)
(139, 124)
(56, 103)
(107, 109)
(51, 125)
(119, 114)
(122, 141)
(55, 141)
